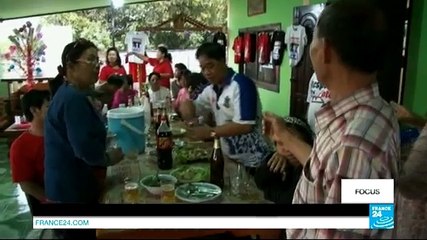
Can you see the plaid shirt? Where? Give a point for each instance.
(357, 137)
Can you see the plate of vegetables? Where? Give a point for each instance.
(189, 154)
(190, 174)
(198, 192)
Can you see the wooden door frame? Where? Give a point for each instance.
(409, 12)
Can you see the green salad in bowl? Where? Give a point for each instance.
(188, 154)
(152, 183)
(190, 174)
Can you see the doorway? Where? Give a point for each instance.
(391, 77)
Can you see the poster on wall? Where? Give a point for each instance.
(256, 7)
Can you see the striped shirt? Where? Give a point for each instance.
(357, 138)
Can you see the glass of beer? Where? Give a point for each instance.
(132, 154)
(131, 193)
(168, 192)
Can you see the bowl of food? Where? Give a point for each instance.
(153, 182)
(178, 132)
(187, 174)
(189, 154)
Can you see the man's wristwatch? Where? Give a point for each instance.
(213, 133)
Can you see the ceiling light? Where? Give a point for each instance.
(118, 3)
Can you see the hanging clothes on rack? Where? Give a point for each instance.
(220, 38)
(238, 47)
(278, 46)
(264, 48)
(296, 39)
(250, 47)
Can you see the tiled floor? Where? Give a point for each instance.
(15, 216)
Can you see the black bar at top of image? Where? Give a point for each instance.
(309, 210)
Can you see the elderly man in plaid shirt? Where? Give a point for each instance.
(357, 131)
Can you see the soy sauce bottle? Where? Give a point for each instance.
(217, 165)
(164, 146)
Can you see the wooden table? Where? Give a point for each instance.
(146, 165)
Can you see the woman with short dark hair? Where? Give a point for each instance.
(113, 67)
(75, 135)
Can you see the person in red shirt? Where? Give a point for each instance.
(162, 64)
(27, 151)
(114, 65)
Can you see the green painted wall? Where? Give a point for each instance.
(277, 11)
(415, 97)
(281, 11)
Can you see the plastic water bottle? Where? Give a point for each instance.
(104, 113)
(147, 114)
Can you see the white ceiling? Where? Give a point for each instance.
(13, 9)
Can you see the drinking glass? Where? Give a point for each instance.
(132, 154)
(239, 180)
(112, 141)
(168, 192)
(131, 193)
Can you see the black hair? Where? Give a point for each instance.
(74, 50)
(181, 66)
(301, 127)
(356, 29)
(115, 80)
(55, 83)
(185, 74)
(196, 80)
(70, 54)
(211, 50)
(33, 98)
(152, 74)
(279, 187)
(165, 51)
(118, 61)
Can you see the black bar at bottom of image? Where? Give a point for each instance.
(309, 210)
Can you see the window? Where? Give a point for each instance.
(266, 76)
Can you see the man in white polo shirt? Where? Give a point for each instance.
(233, 99)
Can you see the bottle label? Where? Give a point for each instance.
(164, 143)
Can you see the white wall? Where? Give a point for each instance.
(187, 57)
(55, 38)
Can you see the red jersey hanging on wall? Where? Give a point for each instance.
(264, 48)
(238, 47)
(250, 47)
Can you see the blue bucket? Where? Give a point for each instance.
(128, 125)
